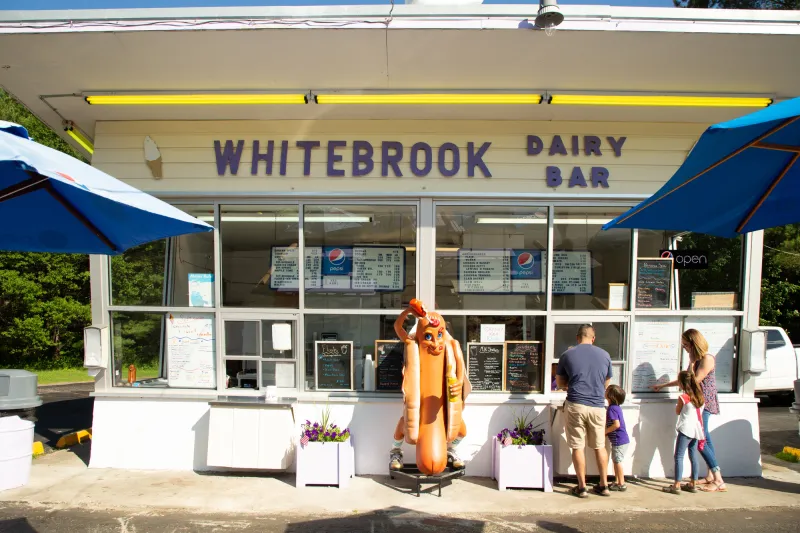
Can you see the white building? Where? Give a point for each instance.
(491, 210)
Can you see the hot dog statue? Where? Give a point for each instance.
(435, 385)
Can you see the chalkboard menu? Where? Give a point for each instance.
(653, 283)
(389, 357)
(334, 365)
(485, 364)
(524, 366)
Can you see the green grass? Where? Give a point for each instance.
(783, 456)
(73, 375)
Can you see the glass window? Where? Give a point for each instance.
(610, 336)
(176, 272)
(259, 353)
(360, 256)
(591, 267)
(491, 257)
(774, 339)
(137, 347)
(259, 255)
(522, 333)
(708, 267)
(361, 330)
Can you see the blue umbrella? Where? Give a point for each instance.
(741, 176)
(51, 202)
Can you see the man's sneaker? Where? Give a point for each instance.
(396, 459)
(454, 459)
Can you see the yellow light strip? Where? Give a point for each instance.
(80, 139)
(196, 99)
(445, 99)
(658, 101)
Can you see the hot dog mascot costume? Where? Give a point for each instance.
(435, 385)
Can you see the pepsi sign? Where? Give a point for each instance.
(337, 261)
(687, 259)
(526, 264)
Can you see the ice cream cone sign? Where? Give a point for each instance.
(152, 156)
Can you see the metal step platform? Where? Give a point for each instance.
(412, 472)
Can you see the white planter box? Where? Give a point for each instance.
(325, 463)
(525, 467)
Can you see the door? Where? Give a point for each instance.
(259, 351)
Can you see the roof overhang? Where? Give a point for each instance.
(51, 60)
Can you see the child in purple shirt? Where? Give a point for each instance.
(617, 434)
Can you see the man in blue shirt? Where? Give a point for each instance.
(585, 371)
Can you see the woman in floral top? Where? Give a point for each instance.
(702, 364)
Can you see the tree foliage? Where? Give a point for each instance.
(44, 298)
(739, 4)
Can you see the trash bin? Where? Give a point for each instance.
(16, 452)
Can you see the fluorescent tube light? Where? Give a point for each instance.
(312, 218)
(196, 99)
(533, 220)
(446, 99)
(79, 138)
(658, 101)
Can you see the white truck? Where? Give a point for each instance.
(783, 364)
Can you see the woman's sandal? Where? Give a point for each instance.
(580, 492)
(715, 487)
(672, 489)
(618, 488)
(705, 481)
(686, 487)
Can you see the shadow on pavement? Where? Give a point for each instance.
(555, 527)
(390, 519)
(766, 484)
(16, 525)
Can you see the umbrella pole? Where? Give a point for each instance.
(764, 196)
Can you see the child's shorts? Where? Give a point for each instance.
(618, 453)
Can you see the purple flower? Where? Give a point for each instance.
(316, 425)
(327, 434)
(308, 422)
(347, 430)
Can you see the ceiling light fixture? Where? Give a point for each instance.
(657, 101)
(78, 136)
(196, 99)
(422, 99)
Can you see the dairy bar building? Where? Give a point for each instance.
(351, 158)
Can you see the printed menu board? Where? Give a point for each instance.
(482, 271)
(191, 360)
(486, 365)
(333, 362)
(572, 272)
(653, 283)
(340, 268)
(378, 268)
(656, 352)
(524, 366)
(389, 358)
(286, 265)
(720, 332)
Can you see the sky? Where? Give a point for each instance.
(111, 4)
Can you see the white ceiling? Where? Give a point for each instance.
(320, 60)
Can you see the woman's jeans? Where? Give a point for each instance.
(681, 445)
(708, 450)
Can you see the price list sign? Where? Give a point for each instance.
(334, 365)
(389, 370)
(285, 268)
(572, 272)
(485, 366)
(482, 271)
(653, 283)
(379, 268)
(524, 366)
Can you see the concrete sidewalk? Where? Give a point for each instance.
(61, 480)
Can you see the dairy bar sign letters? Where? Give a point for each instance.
(396, 159)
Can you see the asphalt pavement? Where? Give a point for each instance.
(14, 519)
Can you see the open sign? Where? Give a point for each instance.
(687, 259)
